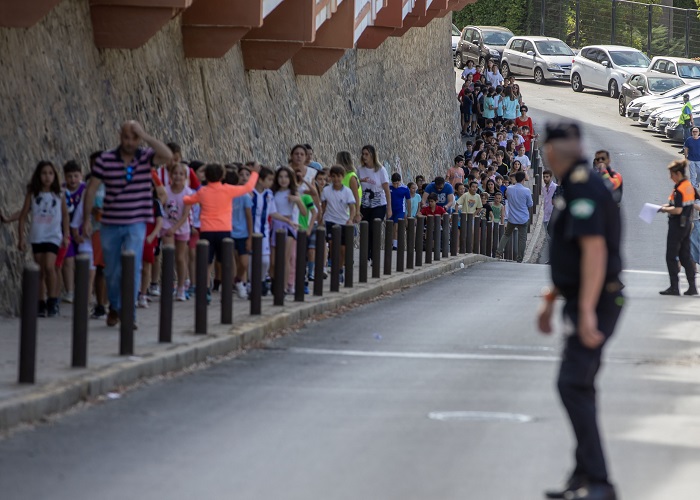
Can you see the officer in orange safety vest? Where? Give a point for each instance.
(679, 210)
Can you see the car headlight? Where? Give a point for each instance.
(493, 52)
(624, 75)
(553, 67)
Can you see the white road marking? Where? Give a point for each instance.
(479, 416)
(517, 347)
(424, 355)
(639, 271)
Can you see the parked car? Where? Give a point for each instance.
(606, 67)
(646, 111)
(647, 83)
(481, 44)
(541, 57)
(456, 34)
(687, 69)
(674, 130)
(635, 106)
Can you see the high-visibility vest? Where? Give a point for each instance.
(687, 191)
(686, 113)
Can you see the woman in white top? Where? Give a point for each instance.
(298, 162)
(375, 189)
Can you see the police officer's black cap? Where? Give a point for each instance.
(562, 130)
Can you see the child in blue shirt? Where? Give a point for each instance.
(400, 202)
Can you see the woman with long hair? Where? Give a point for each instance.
(351, 180)
(374, 180)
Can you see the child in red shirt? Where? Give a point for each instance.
(432, 208)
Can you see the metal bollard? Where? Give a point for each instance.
(320, 260)
(80, 311)
(410, 242)
(349, 264)
(470, 233)
(489, 239)
(401, 246)
(300, 276)
(483, 236)
(27, 327)
(376, 247)
(454, 234)
(201, 287)
(336, 235)
(501, 232)
(364, 250)
(477, 235)
(430, 229)
(128, 282)
(279, 282)
(516, 246)
(446, 232)
(462, 233)
(388, 246)
(227, 281)
(508, 252)
(419, 239)
(256, 276)
(437, 238)
(167, 279)
(496, 237)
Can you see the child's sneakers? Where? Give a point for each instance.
(142, 301)
(42, 308)
(181, 294)
(241, 290)
(52, 308)
(98, 312)
(67, 297)
(154, 290)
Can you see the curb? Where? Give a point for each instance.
(60, 396)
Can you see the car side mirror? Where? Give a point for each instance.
(605, 63)
(530, 53)
(641, 89)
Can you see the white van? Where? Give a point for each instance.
(543, 58)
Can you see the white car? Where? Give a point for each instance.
(634, 106)
(456, 35)
(541, 57)
(646, 111)
(606, 67)
(687, 69)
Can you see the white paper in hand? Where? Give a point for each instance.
(649, 210)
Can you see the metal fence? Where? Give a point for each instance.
(653, 28)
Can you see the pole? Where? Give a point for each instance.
(650, 15)
(420, 239)
(410, 242)
(489, 239)
(364, 250)
(320, 258)
(470, 233)
(687, 32)
(376, 247)
(401, 246)
(279, 281)
(454, 234)
(388, 245)
(578, 24)
(483, 236)
(437, 238)
(477, 235)
(227, 281)
(446, 232)
(349, 254)
(300, 274)
(543, 14)
(128, 282)
(613, 23)
(167, 279)
(80, 311)
(429, 239)
(256, 276)
(202, 287)
(27, 328)
(336, 235)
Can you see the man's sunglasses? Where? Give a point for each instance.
(600, 158)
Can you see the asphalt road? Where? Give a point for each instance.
(443, 391)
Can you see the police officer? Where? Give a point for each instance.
(679, 209)
(585, 263)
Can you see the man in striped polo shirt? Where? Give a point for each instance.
(128, 204)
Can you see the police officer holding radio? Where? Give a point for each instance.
(585, 263)
(679, 209)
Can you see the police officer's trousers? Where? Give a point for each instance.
(678, 247)
(576, 385)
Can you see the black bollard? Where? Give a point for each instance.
(279, 281)
(167, 279)
(483, 236)
(227, 281)
(80, 311)
(420, 239)
(508, 253)
(27, 327)
(128, 283)
(410, 242)
(430, 229)
(349, 274)
(401, 245)
(462, 233)
(446, 232)
(454, 234)
(201, 287)
(496, 237)
(516, 246)
(489, 238)
(477, 235)
(320, 263)
(437, 238)
(364, 250)
(336, 236)
(256, 275)
(300, 276)
(388, 246)
(376, 247)
(470, 233)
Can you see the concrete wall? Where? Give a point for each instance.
(62, 98)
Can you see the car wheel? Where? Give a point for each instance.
(576, 83)
(539, 76)
(622, 108)
(613, 89)
(459, 61)
(505, 70)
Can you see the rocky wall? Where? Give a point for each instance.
(61, 98)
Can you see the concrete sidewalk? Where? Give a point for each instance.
(59, 386)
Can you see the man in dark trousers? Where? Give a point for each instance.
(585, 262)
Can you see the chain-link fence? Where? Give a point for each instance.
(653, 28)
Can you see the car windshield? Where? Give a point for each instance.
(496, 37)
(455, 31)
(630, 59)
(688, 70)
(658, 85)
(554, 48)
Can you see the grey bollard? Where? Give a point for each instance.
(364, 250)
(27, 326)
(401, 246)
(349, 264)
(376, 247)
(437, 238)
(227, 281)
(336, 235)
(454, 234)
(489, 239)
(320, 261)
(80, 311)
(128, 292)
(279, 282)
(388, 246)
(410, 242)
(201, 287)
(446, 232)
(300, 275)
(419, 239)
(167, 280)
(256, 275)
(430, 229)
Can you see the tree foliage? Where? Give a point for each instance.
(511, 14)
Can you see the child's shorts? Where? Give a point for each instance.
(72, 249)
(215, 238)
(194, 238)
(45, 248)
(396, 217)
(239, 244)
(149, 249)
(329, 232)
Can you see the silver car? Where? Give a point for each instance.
(543, 58)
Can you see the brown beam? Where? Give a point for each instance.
(389, 18)
(24, 13)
